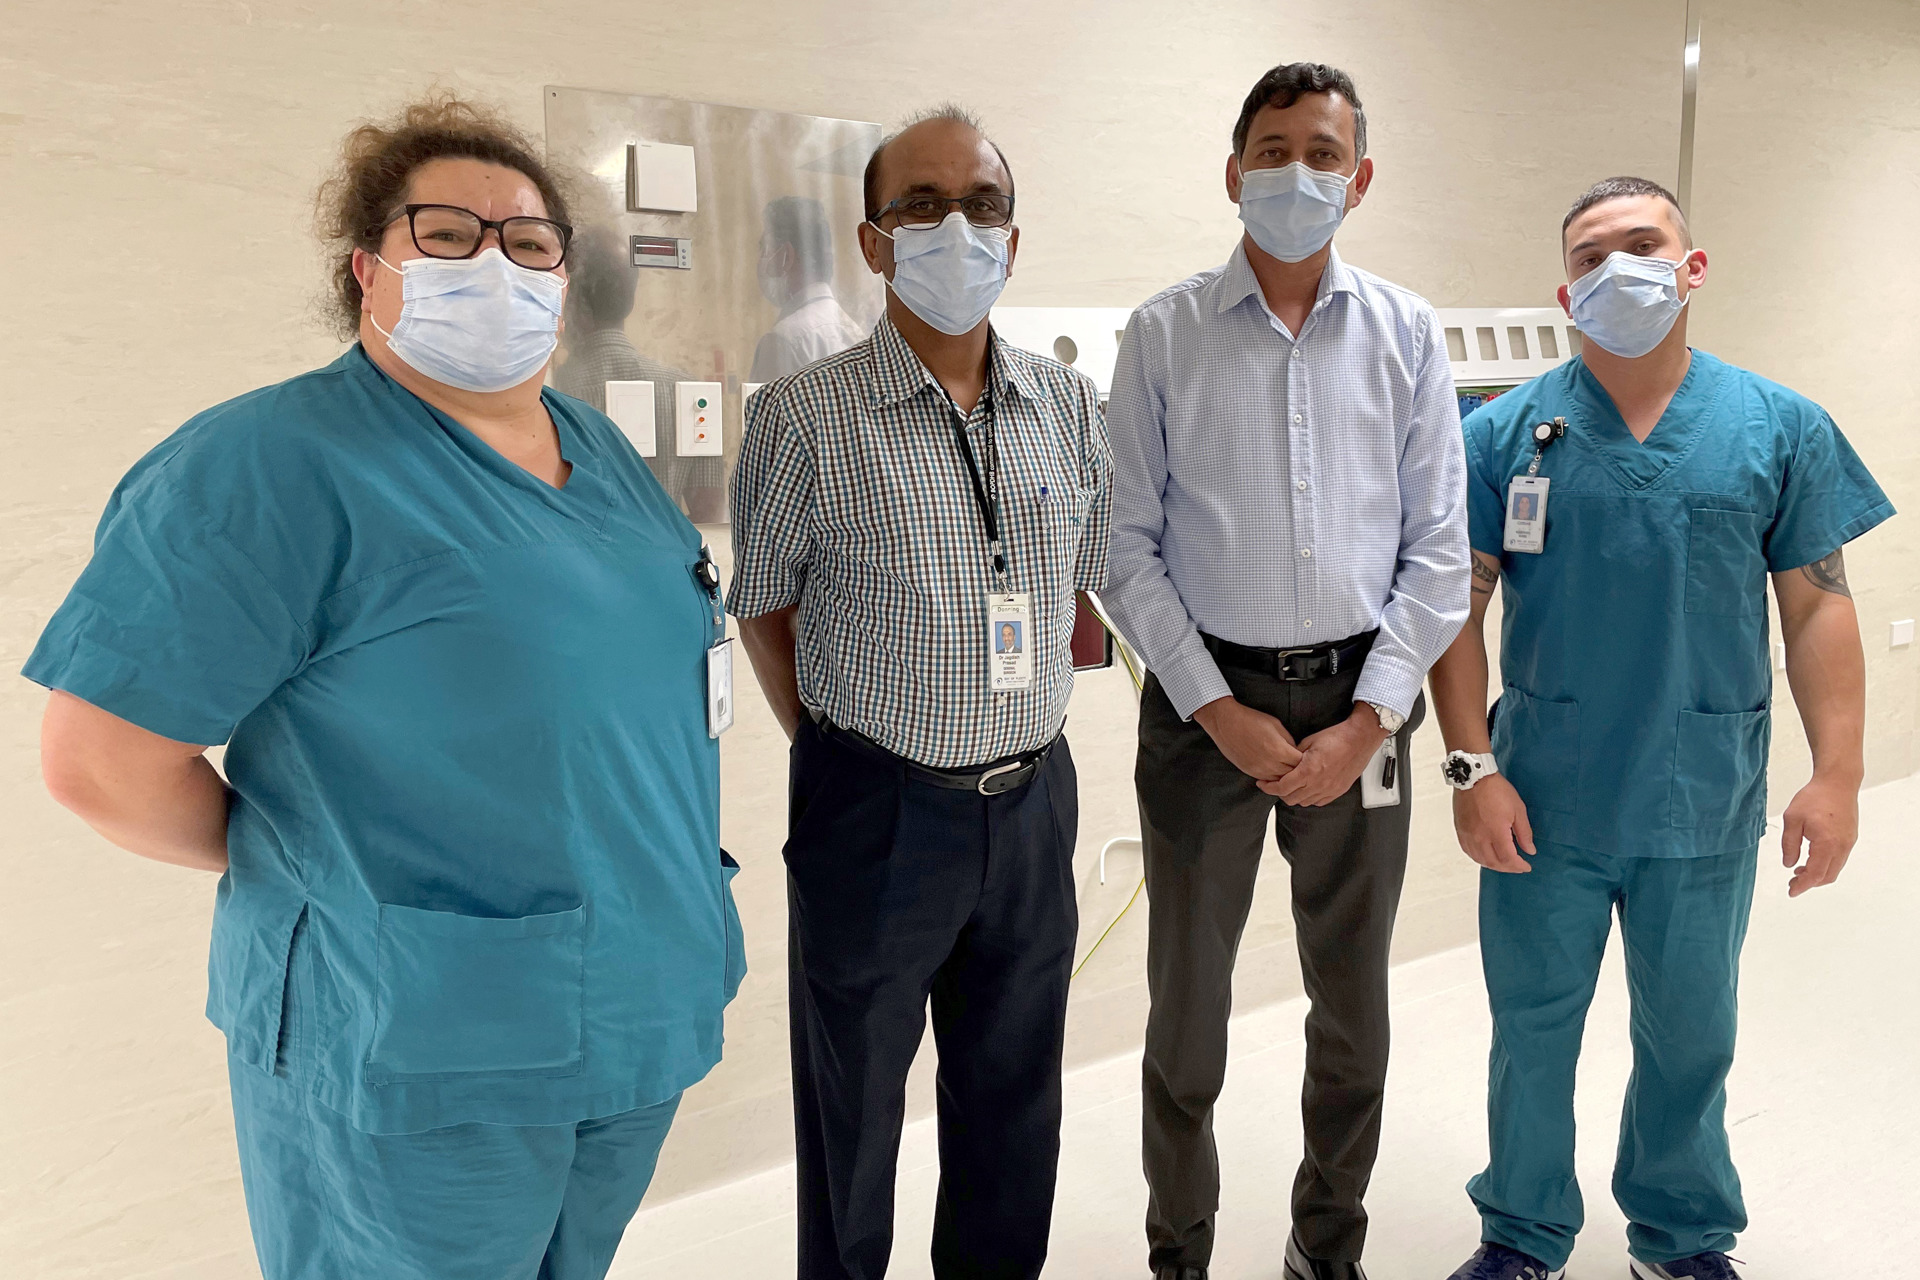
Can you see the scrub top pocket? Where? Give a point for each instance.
(736, 938)
(1720, 768)
(1537, 741)
(1726, 568)
(471, 995)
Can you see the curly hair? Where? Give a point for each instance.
(377, 163)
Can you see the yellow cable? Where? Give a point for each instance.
(1138, 686)
(1110, 928)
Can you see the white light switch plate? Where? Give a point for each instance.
(630, 405)
(1903, 632)
(698, 426)
(1779, 656)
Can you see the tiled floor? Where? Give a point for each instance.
(1825, 1112)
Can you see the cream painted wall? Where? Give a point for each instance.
(156, 164)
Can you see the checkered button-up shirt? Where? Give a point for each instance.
(1283, 490)
(852, 501)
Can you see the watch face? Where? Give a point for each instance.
(1458, 770)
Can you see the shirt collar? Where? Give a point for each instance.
(818, 291)
(1239, 283)
(898, 374)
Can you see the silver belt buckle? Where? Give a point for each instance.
(991, 774)
(1282, 670)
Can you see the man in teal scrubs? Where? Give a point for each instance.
(1626, 770)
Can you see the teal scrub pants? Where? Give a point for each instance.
(1542, 935)
(467, 1202)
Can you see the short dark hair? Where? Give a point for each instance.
(1285, 85)
(377, 163)
(801, 221)
(601, 278)
(950, 111)
(1619, 188)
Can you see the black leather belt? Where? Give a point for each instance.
(1316, 663)
(996, 777)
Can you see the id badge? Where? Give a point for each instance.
(1009, 641)
(1526, 515)
(720, 688)
(1380, 780)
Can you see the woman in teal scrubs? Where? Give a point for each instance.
(474, 932)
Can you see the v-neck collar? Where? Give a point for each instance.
(584, 497)
(1640, 464)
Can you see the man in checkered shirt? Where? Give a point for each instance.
(895, 506)
(1290, 555)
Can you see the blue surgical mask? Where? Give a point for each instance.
(949, 275)
(1627, 304)
(480, 323)
(1291, 212)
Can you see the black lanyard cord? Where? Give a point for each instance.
(986, 493)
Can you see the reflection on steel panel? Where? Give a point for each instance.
(766, 273)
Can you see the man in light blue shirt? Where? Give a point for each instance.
(1290, 555)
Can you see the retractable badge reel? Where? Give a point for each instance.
(719, 653)
(1526, 529)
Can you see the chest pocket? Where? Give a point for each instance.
(1726, 572)
(1045, 543)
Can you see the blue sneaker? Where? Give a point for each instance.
(1701, 1266)
(1497, 1262)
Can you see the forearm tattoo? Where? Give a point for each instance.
(1482, 574)
(1829, 573)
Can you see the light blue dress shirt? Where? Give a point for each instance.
(1285, 491)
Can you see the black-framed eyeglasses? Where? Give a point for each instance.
(448, 231)
(983, 209)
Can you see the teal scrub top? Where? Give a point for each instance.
(1635, 711)
(465, 717)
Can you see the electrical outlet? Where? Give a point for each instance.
(1779, 656)
(1902, 632)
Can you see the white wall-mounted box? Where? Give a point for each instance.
(631, 406)
(661, 178)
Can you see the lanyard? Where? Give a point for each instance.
(986, 494)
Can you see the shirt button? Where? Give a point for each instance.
(1296, 353)
(1307, 552)
(1308, 624)
(1301, 485)
(1296, 419)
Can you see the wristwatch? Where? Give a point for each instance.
(1390, 720)
(1462, 769)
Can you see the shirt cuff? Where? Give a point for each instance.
(1387, 682)
(1193, 680)
(753, 604)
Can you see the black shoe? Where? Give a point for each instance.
(1178, 1271)
(1301, 1267)
(1497, 1262)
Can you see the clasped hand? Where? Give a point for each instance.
(1315, 771)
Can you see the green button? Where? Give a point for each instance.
(701, 403)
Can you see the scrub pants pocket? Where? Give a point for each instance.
(472, 995)
(1720, 767)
